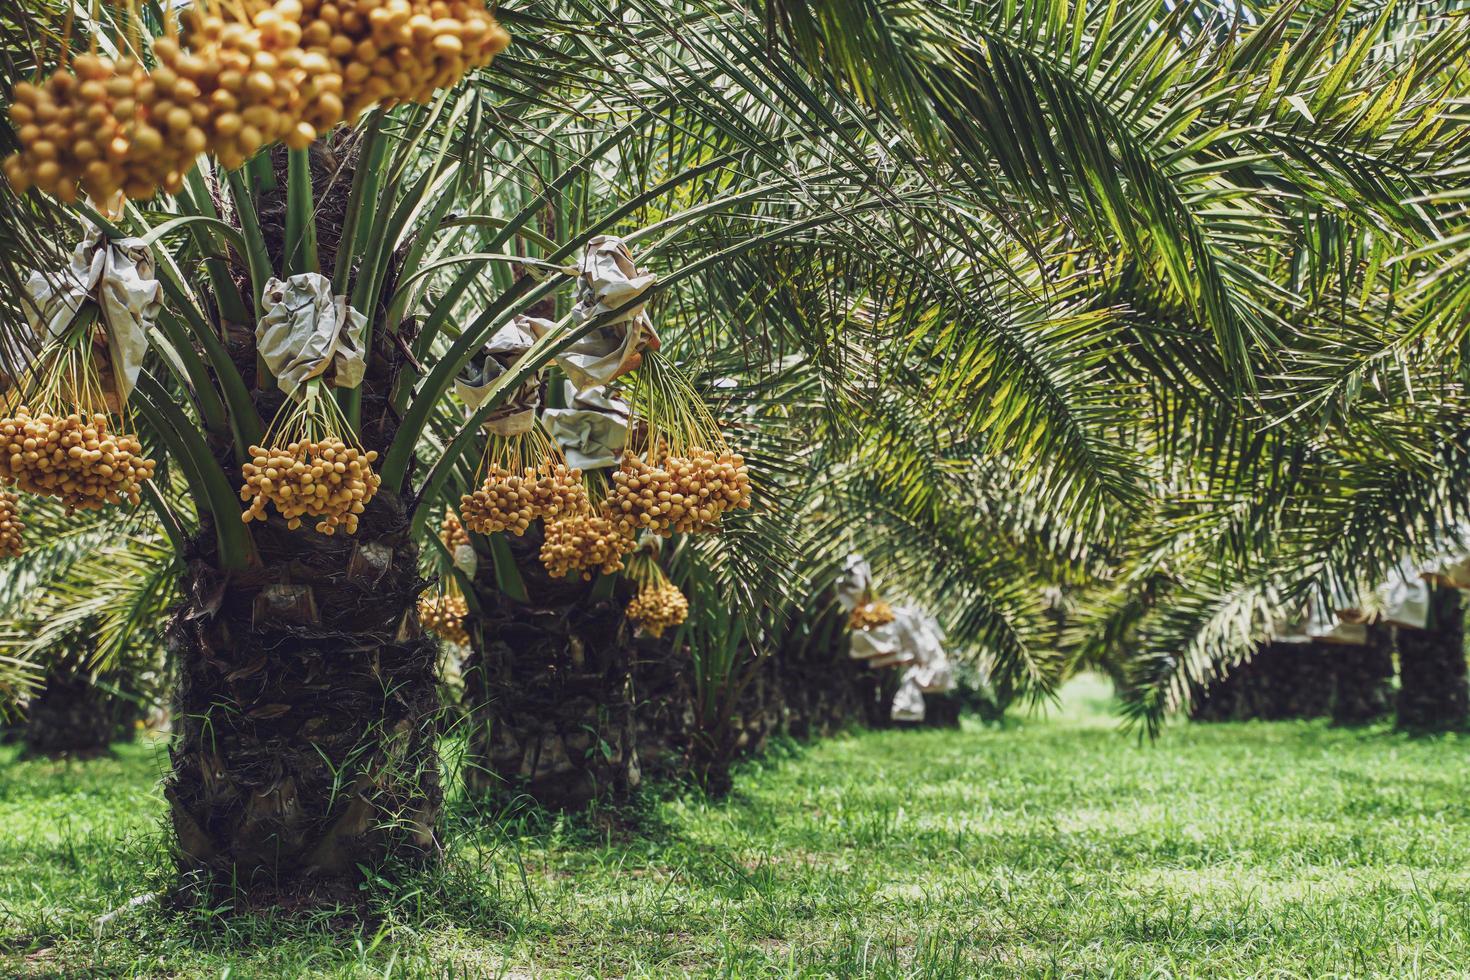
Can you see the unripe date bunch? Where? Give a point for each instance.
(658, 607)
(327, 480)
(235, 82)
(444, 616)
(869, 614)
(75, 458)
(11, 526)
(584, 543)
(677, 493)
(510, 501)
(452, 532)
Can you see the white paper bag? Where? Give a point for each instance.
(592, 430)
(607, 279)
(908, 700)
(517, 414)
(117, 275)
(875, 641)
(1404, 599)
(305, 332)
(931, 670)
(466, 560)
(854, 582)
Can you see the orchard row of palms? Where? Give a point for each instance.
(1158, 306)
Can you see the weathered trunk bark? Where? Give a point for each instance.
(306, 714)
(77, 712)
(1362, 689)
(71, 718)
(74, 714)
(1433, 694)
(547, 690)
(762, 711)
(1282, 681)
(735, 721)
(877, 688)
(663, 709)
(823, 688)
(941, 711)
(757, 711)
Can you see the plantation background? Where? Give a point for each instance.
(734, 487)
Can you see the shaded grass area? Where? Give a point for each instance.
(1054, 847)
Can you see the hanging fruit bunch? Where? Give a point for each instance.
(584, 543)
(58, 440)
(659, 604)
(11, 526)
(524, 475)
(676, 472)
(870, 613)
(524, 480)
(311, 466)
(452, 533)
(82, 130)
(308, 470)
(89, 323)
(401, 50)
(71, 455)
(684, 477)
(236, 78)
(444, 616)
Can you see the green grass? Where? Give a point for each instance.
(1055, 847)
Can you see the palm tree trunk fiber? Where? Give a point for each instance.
(1433, 694)
(663, 708)
(1362, 689)
(941, 711)
(1282, 681)
(74, 716)
(547, 690)
(306, 715)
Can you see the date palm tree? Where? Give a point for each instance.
(80, 622)
(307, 702)
(1137, 297)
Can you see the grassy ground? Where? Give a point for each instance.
(1053, 848)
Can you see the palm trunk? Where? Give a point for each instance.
(1363, 679)
(547, 690)
(823, 689)
(306, 714)
(663, 709)
(1433, 694)
(739, 715)
(1282, 681)
(74, 714)
(307, 710)
(877, 688)
(763, 710)
(77, 712)
(941, 711)
(755, 714)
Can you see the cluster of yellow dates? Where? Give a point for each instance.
(682, 493)
(75, 458)
(657, 607)
(444, 616)
(326, 480)
(869, 614)
(11, 526)
(235, 79)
